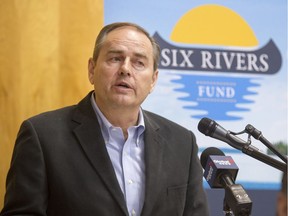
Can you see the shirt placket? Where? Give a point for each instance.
(130, 180)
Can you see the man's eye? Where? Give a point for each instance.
(139, 64)
(115, 59)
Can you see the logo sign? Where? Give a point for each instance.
(227, 78)
(264, 61)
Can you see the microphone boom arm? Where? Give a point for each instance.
(253, 152)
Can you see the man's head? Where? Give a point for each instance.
(108, 28)
(123, 69)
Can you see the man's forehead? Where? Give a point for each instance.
(142, 53)
(121, 45)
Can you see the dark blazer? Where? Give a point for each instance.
(60, 167)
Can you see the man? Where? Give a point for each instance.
(281, 207)
(106, 156)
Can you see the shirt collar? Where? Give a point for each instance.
(105, 124)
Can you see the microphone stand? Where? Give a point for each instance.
(236, 201)
(258, 135)
(230, 204)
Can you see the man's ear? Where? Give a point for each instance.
(91, 66)
(154, 80)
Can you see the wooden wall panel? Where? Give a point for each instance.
(45, 46)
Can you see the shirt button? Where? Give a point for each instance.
(130, 182)
(133, 212)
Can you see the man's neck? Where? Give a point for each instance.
(122, 117)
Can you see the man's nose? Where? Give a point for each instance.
(125, 68)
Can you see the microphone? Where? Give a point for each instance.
(220, 172)
(214, 130)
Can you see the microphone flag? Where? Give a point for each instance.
(218, 165)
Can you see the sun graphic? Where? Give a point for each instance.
(213, 25)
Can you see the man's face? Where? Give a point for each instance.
(123, 74)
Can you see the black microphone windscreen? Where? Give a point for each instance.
(207, 126)
(207, 152)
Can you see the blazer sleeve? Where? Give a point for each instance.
(26, 183)
(196, 200)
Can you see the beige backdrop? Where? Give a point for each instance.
(44, 50)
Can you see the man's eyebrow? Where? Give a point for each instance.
(116, 51)
(137, 54)
(141, 55)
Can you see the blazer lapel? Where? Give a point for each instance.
(154, 144)
(90, 137)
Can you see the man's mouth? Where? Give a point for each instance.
(123, 85)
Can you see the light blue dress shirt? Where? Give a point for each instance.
(127, 157)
